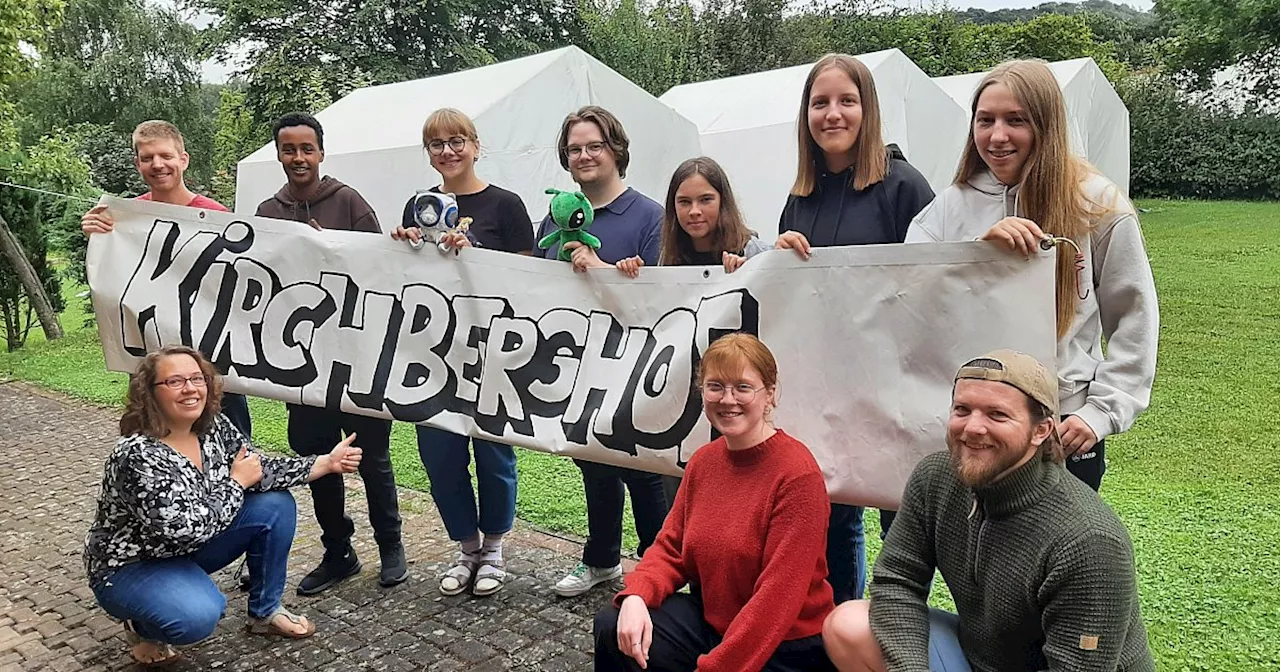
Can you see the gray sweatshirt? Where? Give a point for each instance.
(1118, 298)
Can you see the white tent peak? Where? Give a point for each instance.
(373, 136)
(747, 123)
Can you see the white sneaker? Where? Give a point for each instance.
(582, 578)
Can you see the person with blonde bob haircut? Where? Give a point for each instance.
(1018, 185)
(477, 519)
(746, 534)
(184, 494)
(850, 189)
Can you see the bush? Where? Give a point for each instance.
(1183, 149)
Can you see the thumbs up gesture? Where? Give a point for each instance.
(345, 458)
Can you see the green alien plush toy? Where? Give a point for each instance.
(572, 214)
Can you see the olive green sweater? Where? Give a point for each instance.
(1040, 568)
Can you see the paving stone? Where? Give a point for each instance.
(470, 650)
(507, 641)
(569, 661)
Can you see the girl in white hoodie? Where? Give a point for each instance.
(1017, 183)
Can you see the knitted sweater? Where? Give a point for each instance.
(1040, 568)
(749, 528)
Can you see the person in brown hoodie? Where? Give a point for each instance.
(326, 203)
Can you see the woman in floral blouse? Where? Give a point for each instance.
(184, 494)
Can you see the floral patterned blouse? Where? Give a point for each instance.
(156, 504)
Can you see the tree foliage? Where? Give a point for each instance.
(116, 63)
(39, 220)
(1210, 34)
(302, 55)
(24, 22)
(235, 138)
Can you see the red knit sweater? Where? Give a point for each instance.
(750, 528)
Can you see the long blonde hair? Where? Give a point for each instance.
(1052, 182)
(870, 157)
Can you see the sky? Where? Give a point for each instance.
(218, 73)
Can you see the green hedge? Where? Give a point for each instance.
(1183, 149)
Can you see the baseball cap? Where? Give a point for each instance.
(1017, 369)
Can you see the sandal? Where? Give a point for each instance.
(167, 653)
(267, 626)
(490, 577)
(458, 577)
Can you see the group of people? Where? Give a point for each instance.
(745, 563)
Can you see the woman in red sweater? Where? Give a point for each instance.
(747, 533)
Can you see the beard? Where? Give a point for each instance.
(984, 469)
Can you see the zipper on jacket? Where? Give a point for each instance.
(977, 543)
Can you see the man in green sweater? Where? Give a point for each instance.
(1040, 568)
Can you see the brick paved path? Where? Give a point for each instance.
(51, 455)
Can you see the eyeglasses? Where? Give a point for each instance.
(178, 382)
(456, 143)
(592, 149)
(742, 392)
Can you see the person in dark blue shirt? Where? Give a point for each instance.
(594, 148)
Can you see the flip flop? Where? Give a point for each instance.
(267, 626)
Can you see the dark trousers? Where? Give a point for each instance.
(236, 408)
(886, 519)
(670, 487)
(315, 431)
(603, 484)
(846, 553)
(1090, 465)
(680, 635)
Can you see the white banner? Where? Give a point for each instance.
(595, 366)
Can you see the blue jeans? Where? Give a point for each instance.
(174, 601)
(945, 654)
(846, 553)
(445, 457)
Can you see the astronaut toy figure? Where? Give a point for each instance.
(436, 214)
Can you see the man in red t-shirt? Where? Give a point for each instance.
(159, 154)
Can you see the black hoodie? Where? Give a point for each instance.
(335, 206)
(835, 214)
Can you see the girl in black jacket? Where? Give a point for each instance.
(850, 189)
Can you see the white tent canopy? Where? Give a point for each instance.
(373, 136)
(748, 124)
(1097, 118)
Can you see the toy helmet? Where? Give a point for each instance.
(435, 211)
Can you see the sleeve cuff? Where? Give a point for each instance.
(1097, 419)
(651, 597)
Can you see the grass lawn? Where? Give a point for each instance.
(1197, 481)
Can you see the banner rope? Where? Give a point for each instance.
(68, 197)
